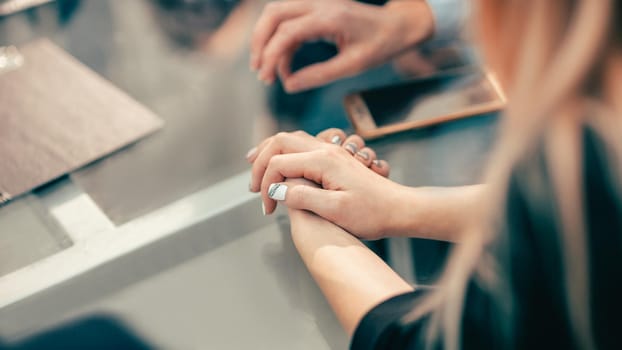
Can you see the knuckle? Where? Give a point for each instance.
(287, 31)
(338, 14)
(286, 27)
(340, 201)
(271, 8)
(329, 152)
(280, 138)
(273, 162)
(335, 156)
(334, 150)
(297, 194)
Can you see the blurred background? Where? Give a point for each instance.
(187, 61)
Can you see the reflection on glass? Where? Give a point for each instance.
(189, 23)
(65, 8)
(433, 97)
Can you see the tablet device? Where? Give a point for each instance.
(423, 102)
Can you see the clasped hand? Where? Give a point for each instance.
(352, 189)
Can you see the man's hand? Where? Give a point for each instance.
(365, 35)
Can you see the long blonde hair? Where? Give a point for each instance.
(560, 62)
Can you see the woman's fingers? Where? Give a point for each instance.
(332, 135)
(272, 16)
(313, 166)
(380, 167)
(353, 144)
(280, 143)
(297, 195)
(252, 153)
(366, 156)
(284, 143)
(309, 165)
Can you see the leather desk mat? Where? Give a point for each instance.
(56, 115)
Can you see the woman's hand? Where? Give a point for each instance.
(361, 201)
(343, 267)
(355, 198)
(282, 143)
(365, 35)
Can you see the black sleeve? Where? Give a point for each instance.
(381, 327)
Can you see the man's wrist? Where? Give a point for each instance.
(414, 20)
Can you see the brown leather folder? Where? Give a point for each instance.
(56, 115)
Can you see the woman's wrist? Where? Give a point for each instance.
(343, 268)
(438, 213)
(401, 217)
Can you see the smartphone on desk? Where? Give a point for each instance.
(423, 102)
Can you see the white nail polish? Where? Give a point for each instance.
(263, 209)
(350, 147)
(336, 140)
(277, 191)
(363, 155)
(251, 152)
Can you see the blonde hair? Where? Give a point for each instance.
(560, 62)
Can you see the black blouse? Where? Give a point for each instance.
(530, 255)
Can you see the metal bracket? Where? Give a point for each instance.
(4, 198)
(10, 59)
(9, 7)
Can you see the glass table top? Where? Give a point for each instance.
(189, 65)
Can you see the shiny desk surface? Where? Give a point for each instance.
(163, 234)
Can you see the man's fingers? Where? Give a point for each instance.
(341, 66)
(274, 13)
(288, 37)
(285, 65)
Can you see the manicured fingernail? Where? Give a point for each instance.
(363, 155)
(263, 209)
(336, 140)
(277, 192)
(350, 147)
(377, 163)
(251, 152)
